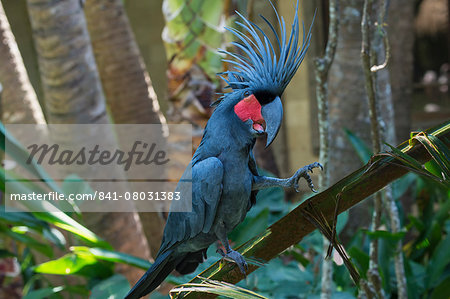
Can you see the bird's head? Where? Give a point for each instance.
(261, 72)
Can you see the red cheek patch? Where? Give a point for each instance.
(249, 108)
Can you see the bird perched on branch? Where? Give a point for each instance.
(224, 176)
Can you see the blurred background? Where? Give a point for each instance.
(142, 61)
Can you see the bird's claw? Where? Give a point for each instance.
(236, 257)
(303, 173)
(314, 165)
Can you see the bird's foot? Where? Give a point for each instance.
(236, 257)
(303, 173)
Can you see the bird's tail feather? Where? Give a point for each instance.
(163, 266)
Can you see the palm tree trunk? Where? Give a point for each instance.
(70, 80)
(73, 95)
(126, 83)
(142, 17)
(17, 14)
(19, 101)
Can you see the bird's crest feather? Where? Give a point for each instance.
(260, 68)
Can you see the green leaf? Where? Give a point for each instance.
(21, 218)
(115, 286)
(415, 275)
(341, 222)
(56, 217)
(442, 148)
(27, 240)
(43, 293)
(433, 167)
(414, 165)
(439, 152)
(406, 159)
(14, 149)
(14, 184)
(68, 264)
(442, 290)
(65, 222)
(386, 268)
(361, 148)
(54, 236)
(443, 212)
(416, 222)
(361, 259)
(386, 235)
(84, 264)
(113, 256)
(20, 229)
(438, 262)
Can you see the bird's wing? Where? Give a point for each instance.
(207, 176)
(252, 163)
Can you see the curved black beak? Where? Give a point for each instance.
(273, 114)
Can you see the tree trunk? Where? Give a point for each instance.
(348, 105)
(69, 77)
(17, 14)
(126, 83)
(73, 95)
(19, 102)
(128, 90)
(142, 17)
(401, 64)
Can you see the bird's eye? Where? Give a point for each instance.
(264, 96)
(247, 93)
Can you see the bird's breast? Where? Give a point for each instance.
(237, 186)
